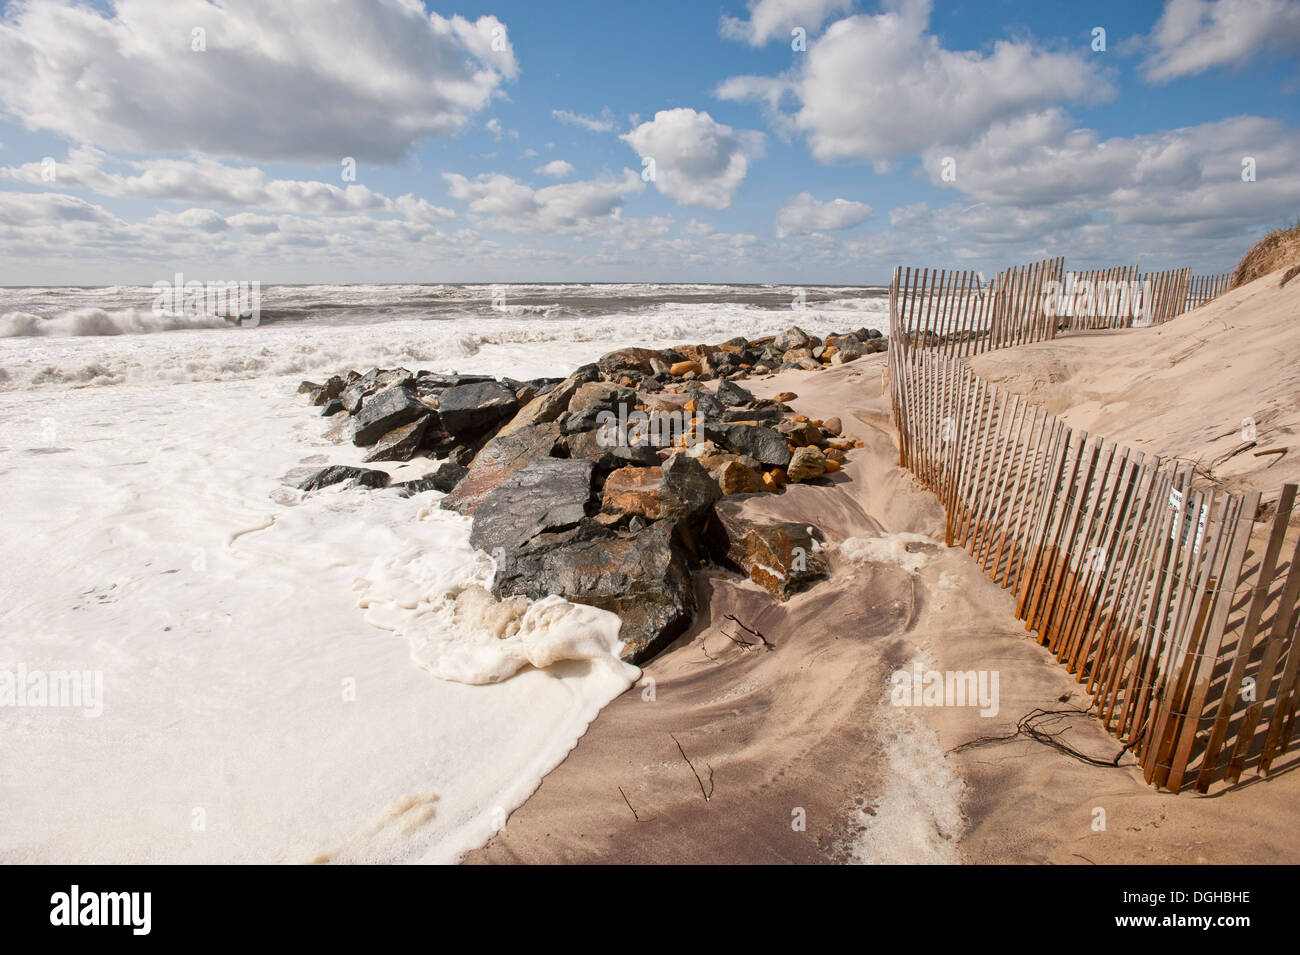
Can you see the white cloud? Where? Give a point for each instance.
(877, 88)
(772, 18)
(505, 203)
(1188, 175)
(556, 168)
(698, 161)
(605, 124)
(294, 80)
(1193, 36)
(208, 181)
(498, 131)
(804, 213)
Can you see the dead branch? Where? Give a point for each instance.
(629, 804)
(1031, 726)
(707, 795)
(751, 630)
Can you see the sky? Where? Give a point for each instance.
(797, 142)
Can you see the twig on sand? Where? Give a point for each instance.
(1031, 726)
(629, 804)
(1280, 452)
(763, 639)
(706, 794)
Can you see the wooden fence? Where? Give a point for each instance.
(1173, 603)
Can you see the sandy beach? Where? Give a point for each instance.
(804, 726)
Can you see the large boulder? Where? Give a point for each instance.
(792, 338)
(549, 406)
(732, 395)
(549, 494)
(593, 399)
(473, 409)
(780, 558)
(638, 360)
(805, 464)
(385, 410)
(763, 444)
(633, 490)
(374, 380)
(500, 457)
(401, 443)
(686, 491)
(645, 579)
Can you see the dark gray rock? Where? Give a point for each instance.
(385, 410)
(501, 456)
(548, 495)
(448, 475)
(401, 443)
(759, 442)
(328, 391)
(338, 473)
(686, 491)
(373, 381)
(645, 579)
(331, 407)
(608, 455)
(470, 410)
(591, 400)
(732, 395)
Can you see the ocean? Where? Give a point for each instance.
(288, 679)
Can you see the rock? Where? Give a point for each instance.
(638, 360)
(548, 406)
(372, 382)
(763, 444)
(806, 464)
(732, 395)
(645, 580)
(833, 426)
(548, 495)
(307, 387)
(331, 407)
(779, 476)
(385, 410)
(328, 391)
(792, 337)
(686, 491)
(401, 443)
(608, 454)
(832, 465)
(499, 458)
(778, 557)
(591, 401)
(799, 433)
(473, 409)
(706, 405)
(447, 476)
(683, 368)
(736, 478)
(784, 396)
(768, 416)
(338, 473)
(633, 490)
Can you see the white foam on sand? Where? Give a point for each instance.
(249, 711)
(891, 549)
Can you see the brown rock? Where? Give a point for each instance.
(736, 478)
(832, 466)
(685, 368)
(779, 476)
(780, 558)
(807, 463)
(785, 396)
(633, 490)
(832, 426)
(502, 456)
(835, 454)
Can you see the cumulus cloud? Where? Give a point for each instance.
(1187, 175)
(296, 80)
(877, 88)
(505, 203)
(208, 181)
(556, 168)
(804, 213)
(698, 161)
(603, 124)
(1193, 36)
(772, 18)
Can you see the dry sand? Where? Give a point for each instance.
(806, 731)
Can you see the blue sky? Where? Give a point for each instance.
(126, 154)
